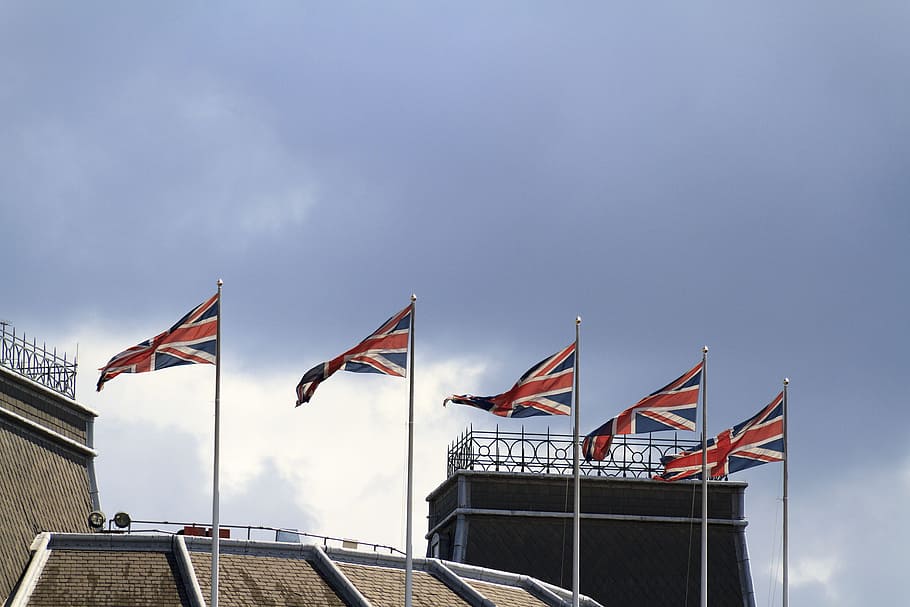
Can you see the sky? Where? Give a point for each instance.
(677, 174)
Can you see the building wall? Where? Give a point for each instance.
(43, 407)
(640, 539)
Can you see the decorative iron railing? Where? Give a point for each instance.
(38, 364)
(545, 453)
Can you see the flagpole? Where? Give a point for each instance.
(409, 552)
(704, 476)
(216, 534)
(786, 549)
(576, 517)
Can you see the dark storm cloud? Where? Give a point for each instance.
(676, 174)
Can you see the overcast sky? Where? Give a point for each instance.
(678, 174)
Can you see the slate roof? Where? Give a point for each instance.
(385, 588)
(46, 469)
(94, 578)
(263, 580)
(111, 569)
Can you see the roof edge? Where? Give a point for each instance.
(190, 581)
(40, 554)
(639, 518)
(64, 441)
(583, 477)
(337, 579)
(77, 406)
(457, 585)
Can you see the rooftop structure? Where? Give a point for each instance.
(103, 569)
(508, 504)
(545, 453)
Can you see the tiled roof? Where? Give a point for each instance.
(109, 579)
(44, 486)
(263, 580)
(385, 588)
(108, 570)
(506, 596)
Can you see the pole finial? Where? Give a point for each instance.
(220, 282)
(578, 320)
(704, 349)
(413, 297)
(786, 381)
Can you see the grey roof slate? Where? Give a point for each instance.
(108, 570)
(89, 578)
(46, 469)
(43, 487)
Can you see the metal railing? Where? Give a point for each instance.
(37, 363)
(251, 532)
(545, 453)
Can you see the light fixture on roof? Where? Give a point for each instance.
(96, 520)
(122, 519)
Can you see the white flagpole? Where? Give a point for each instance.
(216, 534)
(409, 553)
(576, 517)
(786, 597)
(704, 476)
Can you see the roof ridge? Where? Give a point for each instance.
(47, 433)
(457, 585)
(40, 554)
(191, 582)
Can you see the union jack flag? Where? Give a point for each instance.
(758, 440)
(384, 351)
(673, 407)
(544, 389)
(192, 340)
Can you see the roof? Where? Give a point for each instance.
(46, 469)
(111, 569)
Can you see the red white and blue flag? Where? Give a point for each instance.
(756, 441)
(384, 351)
(545, 389)
(673, 407)
(192, 340)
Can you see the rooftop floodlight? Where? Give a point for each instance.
(96, 520)
(122, 519)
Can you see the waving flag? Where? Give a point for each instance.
(545, 389)
(670, 408)
(758, 440)
(385, 351)
(192, 340)
(687, 464)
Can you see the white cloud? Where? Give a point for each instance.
(846, 539)
(814, 570)
(343, 454)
